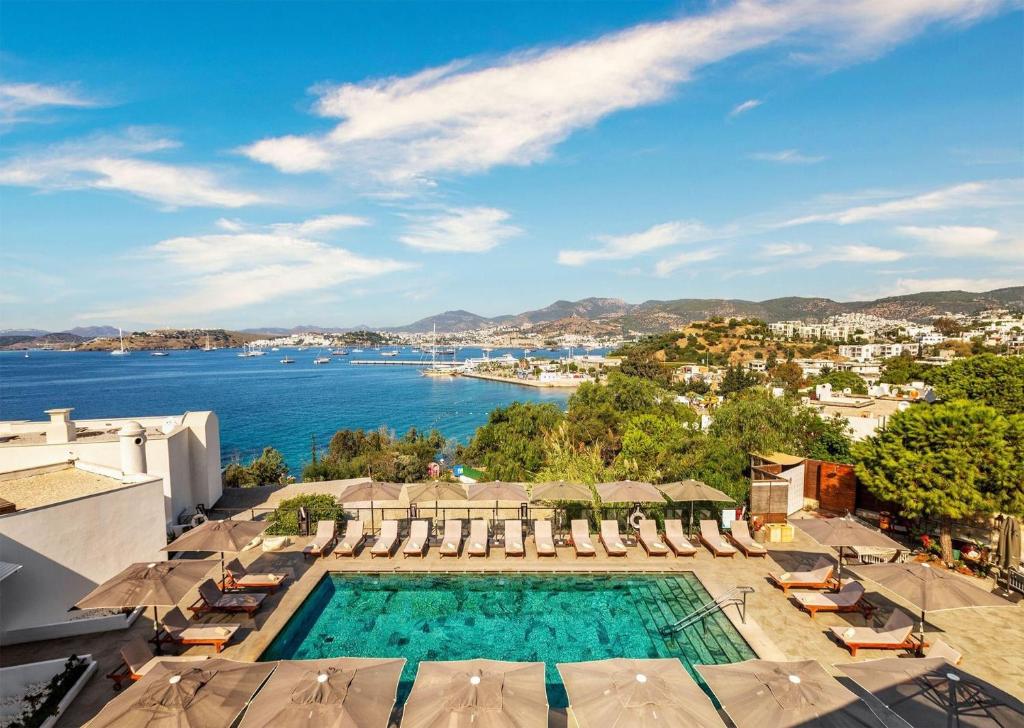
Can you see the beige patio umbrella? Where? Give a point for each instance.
(345, 692)
(204, 694)
(929, 589)
(561, 490)
(629, 491)
(220, 536)
(692, 491)
(497, 491)
(844, 531)
(761, 693)
(928, 692)
(624, 693)
(155, 584)
(477, 694)
(370, 492)
(434, 492)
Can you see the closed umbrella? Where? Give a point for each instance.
(621, 693)
(477, 694)
(762, 693)
(156, 584)
(930, 693)
(345, 692)
(221, 536)
(845, 531)
(1008, 548)
(692, 491)
(929, 589)
(370, 491)
(190, 695)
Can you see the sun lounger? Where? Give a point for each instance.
(477, 543)
(848, 599)
(542, 537)
(580, 535)
(355, 532)
(452, 541)
(894, 635)
(739, 534)
(819, 577)
(137, 660)
(610, 538)
(237, 578)
(417, 544)
(514, 538)
(677, 540)
(649, 539)
(177, 630)
(943, 650)
(386, 541)
(710, 537)
(212, 599)
(326, 535)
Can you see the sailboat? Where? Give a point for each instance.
(208, 347)
(122, 351)
(287, 360)
(434, 370)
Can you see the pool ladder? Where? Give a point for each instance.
(737, 595)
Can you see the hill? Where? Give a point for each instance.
(450, 321)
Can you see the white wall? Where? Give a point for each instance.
(796, 487)
(67, 549)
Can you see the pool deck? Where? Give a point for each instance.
(991, 639)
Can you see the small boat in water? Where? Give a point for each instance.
(389, 353)
(339, 352)
(122, 351)
(158, 353)
(357, 351)
(287, 360)
(322, 360)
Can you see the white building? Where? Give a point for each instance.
(183, 451)
(864, 415)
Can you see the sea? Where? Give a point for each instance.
(259, 401)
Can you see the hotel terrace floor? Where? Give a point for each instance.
(992, 640)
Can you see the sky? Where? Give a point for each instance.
(339, 164)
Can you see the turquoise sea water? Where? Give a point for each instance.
(515, 617)
(259, 401)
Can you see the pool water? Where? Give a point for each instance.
(514, 617)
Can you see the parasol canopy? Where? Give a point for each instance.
(629, 491)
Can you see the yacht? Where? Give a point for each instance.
(208, 347)
(339, 352)
(287, 360)
(158, 353)
(122, 351)
(322, 360)
(357, 351)
(389, 353)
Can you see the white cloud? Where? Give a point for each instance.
(986, 194)
(204, 274)
(229, 224)
(668, 266)
(467, 117)
(459, 230)
(864, 254)
(323, 224)
(746, 106)
(960, 241)
(779, 250)
(112, 163)
(788, 156)
(16, 99)
(621, 247)
(906, 286)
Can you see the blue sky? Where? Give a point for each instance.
(171, 164)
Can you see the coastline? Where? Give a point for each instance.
(562, 384)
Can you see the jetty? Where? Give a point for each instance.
(407, 363)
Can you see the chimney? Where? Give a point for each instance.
(132, 436)
(61, 429)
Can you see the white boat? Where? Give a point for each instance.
(158, 353)
(274, 348)
(287, 360)
(357, 351)
(434, 370)
(208, 347)
(122, 351)
(322, 360)
(389, 353)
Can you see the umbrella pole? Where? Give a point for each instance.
(371, 516)
(222, 574)
(920, 647)
(691, 518)
(156, 632)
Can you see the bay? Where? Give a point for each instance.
(259, 401)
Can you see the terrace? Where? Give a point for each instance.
(991, 640)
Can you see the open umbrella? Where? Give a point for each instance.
(1008, 547)
(342, 692)
(692, 491)
(929, 589)
(496, 491)
(370, 491)
(186, 695)
(435, 491)
(845, 531)
(629, 491)
(561, 490)
(929, 692)
(636, 693)
(221, 536)
(484, 693)
(156, 584)
(761, 693)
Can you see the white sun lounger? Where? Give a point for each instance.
(542, 537)
(514, 538)
(326, 533)
(611, 540)
(711, 538)
(387, 539)
(819, 577)
(650, 539)
(894, 635)
(677, 540)
(354, 535)
(848, 599)
(452, 538)
(580, 534)
(740, 535)
(417, 544)
(477, 543)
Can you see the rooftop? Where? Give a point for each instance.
(53, 484)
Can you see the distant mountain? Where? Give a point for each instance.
(588, 308)
(23, 332)
(305, 329)
(91, 332)
(450, 322)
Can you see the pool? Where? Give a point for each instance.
(517, 617)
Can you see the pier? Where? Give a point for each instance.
(407, 363)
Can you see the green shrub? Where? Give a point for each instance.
(321, 507)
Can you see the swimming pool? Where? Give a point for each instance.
(518, 617)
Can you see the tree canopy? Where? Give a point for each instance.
(266, 469)
(379, 454)
(997, 381)
(511, 445)
(841, 380)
